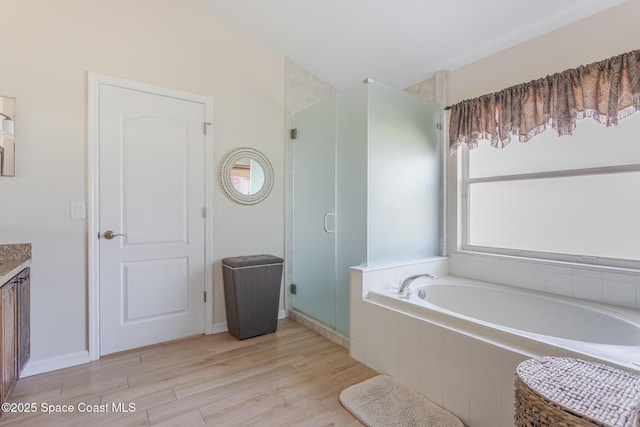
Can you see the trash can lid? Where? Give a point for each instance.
(251, 260)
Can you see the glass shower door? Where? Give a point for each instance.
(314, 179)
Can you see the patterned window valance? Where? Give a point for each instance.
(605, 91)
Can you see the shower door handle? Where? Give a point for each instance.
(326, 222)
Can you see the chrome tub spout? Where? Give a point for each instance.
(409, 280)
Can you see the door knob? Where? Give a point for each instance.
(110, 235)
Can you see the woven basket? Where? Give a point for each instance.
(556, 391)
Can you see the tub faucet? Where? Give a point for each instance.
(409, 280)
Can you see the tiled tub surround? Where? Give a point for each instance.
(13, 259)
(615, 286)
(467, 368)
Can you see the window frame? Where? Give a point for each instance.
(463, 230)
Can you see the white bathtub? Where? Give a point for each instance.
(535, 323)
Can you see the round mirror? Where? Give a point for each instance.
(246, 176)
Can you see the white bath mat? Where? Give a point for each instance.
(382, 402)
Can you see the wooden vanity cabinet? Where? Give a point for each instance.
(15, 340)
(23, 316)
(9, 348)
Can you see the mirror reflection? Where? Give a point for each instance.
(7, 137)
(247, 176)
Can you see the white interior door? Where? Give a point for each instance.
(151, 187)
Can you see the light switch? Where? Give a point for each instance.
(77, 210)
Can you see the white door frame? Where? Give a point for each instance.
(95, 81)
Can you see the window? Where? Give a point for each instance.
(574, 198)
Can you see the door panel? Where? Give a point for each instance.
(160, 185)
(314, 221)
(167, 280)
(151, 183)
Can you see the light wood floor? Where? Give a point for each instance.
(289, 378)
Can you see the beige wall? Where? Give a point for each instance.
(48, 48)
(592, 39)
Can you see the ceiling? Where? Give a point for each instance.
(396, 42)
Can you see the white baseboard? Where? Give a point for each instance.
(35, 367)
(220, 327)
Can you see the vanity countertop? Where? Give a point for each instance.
(13, 259)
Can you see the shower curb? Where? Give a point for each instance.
(320, 328)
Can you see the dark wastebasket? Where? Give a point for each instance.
(252, 293)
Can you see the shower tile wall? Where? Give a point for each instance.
(304, 89)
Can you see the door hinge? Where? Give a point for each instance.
(204, 127)
(204, 212)
(205, 296)
(439, 126)
(293, 133)
(293, 288)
